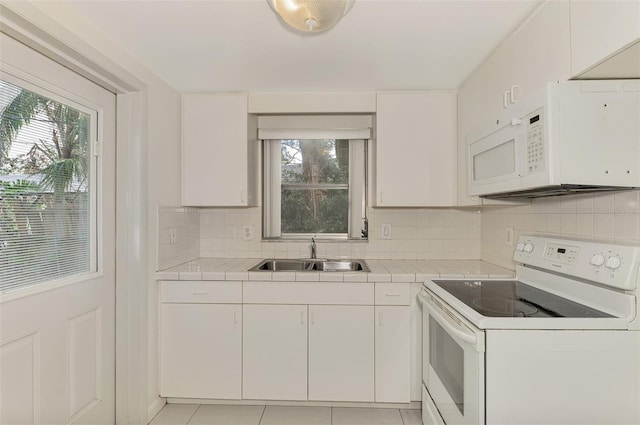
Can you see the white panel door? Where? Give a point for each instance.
(57, 337)
(274, 357)
(393, 354)
(341, 353)
(201, 350)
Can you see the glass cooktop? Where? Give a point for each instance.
(514, 299)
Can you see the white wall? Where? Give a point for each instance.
(160, 139)
(612, 217)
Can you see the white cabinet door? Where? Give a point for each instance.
(201, 350)
(219, 151)
(541, 53)
(600, 29)
(274, 357)
(341, 344)
(415, 149)
(393, 354)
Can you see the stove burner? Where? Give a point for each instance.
(505, 306)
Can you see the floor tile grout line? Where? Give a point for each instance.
(264, 409)
(193, 414)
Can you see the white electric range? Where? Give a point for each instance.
(559, 344)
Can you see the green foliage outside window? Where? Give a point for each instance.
(315, 193)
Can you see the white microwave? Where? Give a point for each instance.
(583, 137)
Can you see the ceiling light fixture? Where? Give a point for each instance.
(311, 15)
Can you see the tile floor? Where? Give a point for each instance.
(216, 414)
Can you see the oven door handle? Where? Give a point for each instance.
(454, 328)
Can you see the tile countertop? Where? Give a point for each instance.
(381, 271)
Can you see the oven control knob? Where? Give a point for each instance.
(597, 260)
(520, 247)
(528, 247)
(613, 263)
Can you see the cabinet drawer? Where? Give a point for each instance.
(256, 292)
(393, 294)
(200, 292)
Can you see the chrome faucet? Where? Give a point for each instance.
(313, 248)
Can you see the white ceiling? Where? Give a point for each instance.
(240, 45)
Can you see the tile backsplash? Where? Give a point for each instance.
(186, 222)
(427, 233)
(438, 233)
(611, 217)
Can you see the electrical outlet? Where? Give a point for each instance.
(173, 235)
(247, 232)
(508, 236)
(385, 231)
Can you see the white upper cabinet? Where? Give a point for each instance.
(415, 149)
(512, 80)
(219, 151)
(541, 53)
(600, 29)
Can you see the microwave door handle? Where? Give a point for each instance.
(450, 327)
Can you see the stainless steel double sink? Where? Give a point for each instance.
(310, 265)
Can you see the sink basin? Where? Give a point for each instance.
(283, 266)
(340, 266)
(287, 265)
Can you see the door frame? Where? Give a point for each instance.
(31, 26)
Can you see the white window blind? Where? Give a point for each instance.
(47, 195)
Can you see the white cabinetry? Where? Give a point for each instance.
(341, 344)
(600, 29)
(393, 343)
(298, 341)
(274, 355)
(512, 80)
(415, 149)
(201, 342)
(219, 151)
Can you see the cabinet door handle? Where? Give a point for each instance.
(505, 99)
(302, 317)
(512, 94)
(379, 318)
(242, 196)
(313, 322)
(200, 293)
(235, 317)
(392, 294)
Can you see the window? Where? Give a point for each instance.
(47, 205)
(315, 187)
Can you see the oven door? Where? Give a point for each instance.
(452, 362)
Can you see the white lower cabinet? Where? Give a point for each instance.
(341, 349)
(274, 357)
(393, 354)
(313, 341)
(201, 350)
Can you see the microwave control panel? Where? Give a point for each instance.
(535, 142)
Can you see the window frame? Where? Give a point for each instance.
(357, 193)
(95, 112)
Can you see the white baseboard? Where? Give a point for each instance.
(411, 405)
(155, 407)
